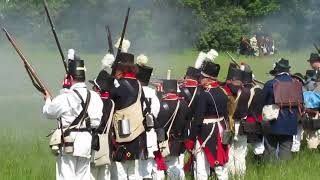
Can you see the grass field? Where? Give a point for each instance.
(24, 153)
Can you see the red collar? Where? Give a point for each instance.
(190, 83)
(227, 89)
(129, 75)
(214, 84)
(105, 95)
(171, 97)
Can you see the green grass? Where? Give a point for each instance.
(24, 152)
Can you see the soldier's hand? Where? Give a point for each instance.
(46, 95)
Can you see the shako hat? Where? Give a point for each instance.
(170, 86)
(193, 73)
(314, 57)
(145, 72)
(125, 58)
(76, 67)
(281, 66)
(231, 66)
(247, 75)
(210, 69)
(104, 81)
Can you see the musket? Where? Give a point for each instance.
(121, 40)
(28, 66)
(316, 46)
(235, 62)
(110, 44)
(55, 34)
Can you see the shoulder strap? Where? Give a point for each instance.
(109, 122)
(85, 106)
(173, 117)
(194, 94)
(252, 93)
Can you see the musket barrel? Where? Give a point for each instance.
(25, 61)
(55, 34)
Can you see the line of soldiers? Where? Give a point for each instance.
(125, 129)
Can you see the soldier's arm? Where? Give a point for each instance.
(54, 109)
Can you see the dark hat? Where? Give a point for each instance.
(281, 66)
(231, 66)
(144, 73)
(193, 73)
(210, 69)
(170, 86)
(310, 74)
(247, 77)
(299, 77)
(104, 81)
(125, 58)
(77, 69)
(314, 57)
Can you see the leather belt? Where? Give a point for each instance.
(213, 120)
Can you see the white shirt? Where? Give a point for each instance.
(67, 106)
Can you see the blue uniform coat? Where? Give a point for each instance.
(287, 122)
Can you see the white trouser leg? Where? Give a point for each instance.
(100, 173)
(127, 170)
(297, 140)
(71, 167)
(237, 156)
(258, 148)
(221, 172)
(201, 165)
(157, 174)
(145, 168)
(175, 170)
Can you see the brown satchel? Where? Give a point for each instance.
(288, 93)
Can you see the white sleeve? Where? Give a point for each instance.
(54, 109)
(155, 105)
(95, 109)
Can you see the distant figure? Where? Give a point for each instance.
(254, 46)
(244, 48)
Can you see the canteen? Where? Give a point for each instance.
(124, 127)
(161, 134)
(149, 121)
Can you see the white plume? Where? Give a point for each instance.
(71, 53)
(212, 54)
(200, 59)
(142, 60)
(125, 45)
(107, 61)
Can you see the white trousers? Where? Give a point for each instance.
(202, 167)
(100, 172)
(258, 148)
(237, 156)
(148, 169)
(175, 167)
(70, 167)
(127, 170)
(297, 139)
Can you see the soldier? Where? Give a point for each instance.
(151, 107)
(172, 124)
(208, 139)
(314, 61)
(282, 99)
(238, 113)
(102, 146)
(129, 145)
(79, 110)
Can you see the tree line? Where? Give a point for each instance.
(166, 24)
